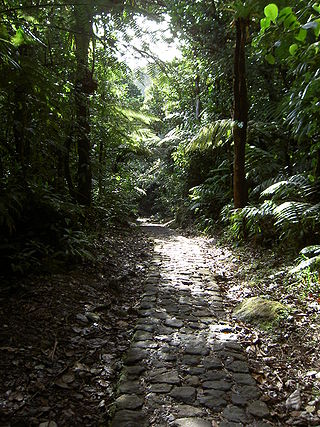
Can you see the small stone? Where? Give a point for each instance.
(160, 388)
(167, 377)
(130, 387)
(129, 418)
(142, 336)
(188, 411)
(218, 385)
(234, 413)
(238, 366)
(190, 360)
(258, 409)
(192, 422)
(230, 424)
(212, 363)
(129, 401)
(135, 370)
(144, 344)
(174, 323)
(213, 376)
(197, 349)
(146, 328)
(185, 394)
(242, 395)
(213, 403)
(48, 424)
(192, 380)
(82, 319)
(134, 355)
(245, 379)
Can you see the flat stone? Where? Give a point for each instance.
(243, 394)
(134, 370)
(195, 370)
(184, 394)
(146, 328)
(173, 323)
(230, 424)
(144, 344)
(238, 366)
(192, 422)
(170, 377)
(213, 403)
(213, 376)
(192, 380)
(258, 409)
(190, 360)
(133, 356)
(234, 413)
(142, 336)
(129, 418)
(245, 379)
(197, 349)
(129, 401)
(160, 388)
(217, 385)
(130, 387)
(202, 313)
(188, 411)
(212, 363)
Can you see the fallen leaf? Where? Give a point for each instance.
(294, 400)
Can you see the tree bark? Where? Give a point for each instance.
(83, 23)
(240, 116)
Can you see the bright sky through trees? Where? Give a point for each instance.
(155, 42)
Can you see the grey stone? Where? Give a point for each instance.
(134, 370)
(197, 349)
(190, 360)
(238, 366)
(134, 355)
(192, 380)
(212, 363)
(202, 313)
(230, 424)
(142, 336)
(160, 388)
(243, 394)
(144, 344)
(129, 401)
(245, 379)
(188, 411)
(234, 413)
(217, 385)
(146, 328)
(213, 403)
(174, 323)
(145, 305)
(192, 422)
(213, 376)
(184, 394)
(258, 409)
(130, 387)
(195, 370)
(129, 418)
(166, 377)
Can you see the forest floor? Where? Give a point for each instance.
(64, 336)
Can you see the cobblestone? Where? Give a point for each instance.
(185, 366)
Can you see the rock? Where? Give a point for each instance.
(48, 424)
(216, 404)
(130, 387)
(212, 363)
(129, 418)
(142, 336)
(185, 394)
(197, 349)
(213, 376)
(258, 409)
(245, 379)
(170, 377)
(173, 323)
(234, 413)
(160, 388)
(135, 370)
(134, 355)
(129, 401)
(238, 366)
(190, 360)
(82, 318)
(217, 385)
(243, 394)
(188, 411)
(257, 309)
(192, 422)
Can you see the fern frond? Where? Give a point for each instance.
(290, 212)
(297, 186)
(312, 263)
(217, 134)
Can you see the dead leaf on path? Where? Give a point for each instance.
(294, 400)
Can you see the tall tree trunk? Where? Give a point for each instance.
(197, 93)
(83, 81)
(240, 190)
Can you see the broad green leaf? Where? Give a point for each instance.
(293, 48)
(264, 24)
(284, 13)
(291, 22)
(316, 7)
(302, 35)
(271, 11)
(19, 38)
(270, 59)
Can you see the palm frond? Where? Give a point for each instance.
(216, 134)
(290, 212)
(296, 186)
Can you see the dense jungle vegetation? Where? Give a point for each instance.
(227, 135)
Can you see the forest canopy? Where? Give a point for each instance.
(227, 134)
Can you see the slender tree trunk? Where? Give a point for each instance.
(83, 20)
(240, 190)
(197, 93)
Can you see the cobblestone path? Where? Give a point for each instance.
(184, 366)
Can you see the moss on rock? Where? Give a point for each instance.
(259, 310)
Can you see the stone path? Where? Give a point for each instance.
(184, 366)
